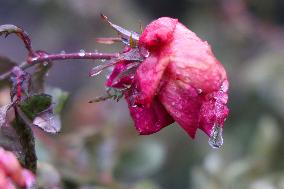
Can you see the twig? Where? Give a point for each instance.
(62, 56)
(8, 29)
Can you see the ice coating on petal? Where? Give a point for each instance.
(183, 104)
(148, 120)
(213, 111)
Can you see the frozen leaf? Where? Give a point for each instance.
(11, 141)
(28, 156)
(35, 104)
(38, 108)
(47, 121)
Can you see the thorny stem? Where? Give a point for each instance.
(23, 35)
(52, 57)
(35, 57)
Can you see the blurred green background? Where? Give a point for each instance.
(99, 148)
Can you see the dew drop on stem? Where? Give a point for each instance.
(216, 138)
(62, 53)
(82, 53)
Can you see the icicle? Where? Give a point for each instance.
(216, 138)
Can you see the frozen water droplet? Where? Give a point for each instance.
(34, 59)
(63, 53)
(199, 91)
(82, 53)
(96, 70)
(216, 138)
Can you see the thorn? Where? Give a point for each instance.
(103, 16)
(141, 27)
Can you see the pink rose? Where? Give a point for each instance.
(171, 75)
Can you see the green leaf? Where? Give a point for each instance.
(35, 104)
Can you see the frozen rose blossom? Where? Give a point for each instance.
(170, 75)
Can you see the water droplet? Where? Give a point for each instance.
(103, 60)
(216, 138)
(45, 63)
(199, 91)
(96, 51)
(82, 53)
(96, 70)
(34, 59)
(63, 53)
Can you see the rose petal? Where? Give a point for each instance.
(183, 104)
(119, 67)
(148, 120)
(148, 77)
(213, 111)
(193, 62)
(157, 33)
